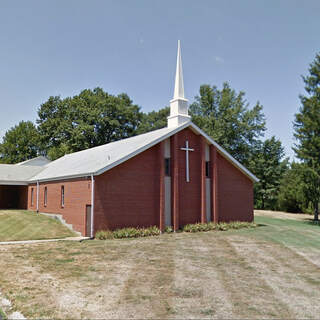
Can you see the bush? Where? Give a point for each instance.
(127, 233)
(222, 226)
(104, 235)
(155, 231)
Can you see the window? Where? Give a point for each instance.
(45, 196)
(208, 169)
(31, 197)
(62, 196)
(167, 167)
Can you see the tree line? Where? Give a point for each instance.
(95, 117)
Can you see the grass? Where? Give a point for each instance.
(25, 225)
(246, 273)
(2, 315)
(295, 233)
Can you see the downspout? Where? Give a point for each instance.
(37, 196)
(92, 206)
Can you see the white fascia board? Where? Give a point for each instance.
(226, 154)
(114, 164)
(171, 133)
(74, 176)
(151, 144)
(13, 183)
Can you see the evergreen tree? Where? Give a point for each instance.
(20, 143)
(291, 196)
(269, 166)
(307, 133)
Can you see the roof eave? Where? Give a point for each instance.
(225, 153)
(221, 150)
(13, 183)
(144, 148)
(68, 177)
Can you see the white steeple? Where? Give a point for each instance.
(179, 104)
(178, 86)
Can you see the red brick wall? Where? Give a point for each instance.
(129, 194)
(235, 193)
(189, 192)
(77, 196)
(13, 197)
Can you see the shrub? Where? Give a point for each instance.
(104, 234)
(127, 233)
(222, 226)
(155, 231)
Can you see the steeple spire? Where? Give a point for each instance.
(179, 104)
(178, 86)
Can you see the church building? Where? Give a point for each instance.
(168, 177)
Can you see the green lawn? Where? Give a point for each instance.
(290, 233)
(2, 315)
(25, 225)
(271, 271)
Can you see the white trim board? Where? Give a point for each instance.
(157, 140)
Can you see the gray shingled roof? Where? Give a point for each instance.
(38, 161)
(100, 159)
(17, 175)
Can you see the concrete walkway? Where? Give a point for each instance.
(78, 239)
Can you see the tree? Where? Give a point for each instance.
(291, 196)
(269, 166)
(154, 120)
(225, 116)
(89, 119)
(311, 188)
(307, 133)
(20, 143)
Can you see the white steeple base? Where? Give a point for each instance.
(177, 120)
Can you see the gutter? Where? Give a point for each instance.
(38, 196)
(92, 206)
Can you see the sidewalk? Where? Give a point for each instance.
(77, 239)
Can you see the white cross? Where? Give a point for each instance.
(187, 149)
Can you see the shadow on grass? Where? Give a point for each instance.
(312, 222)
(261, 225)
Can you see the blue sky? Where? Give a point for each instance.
(61, 47)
